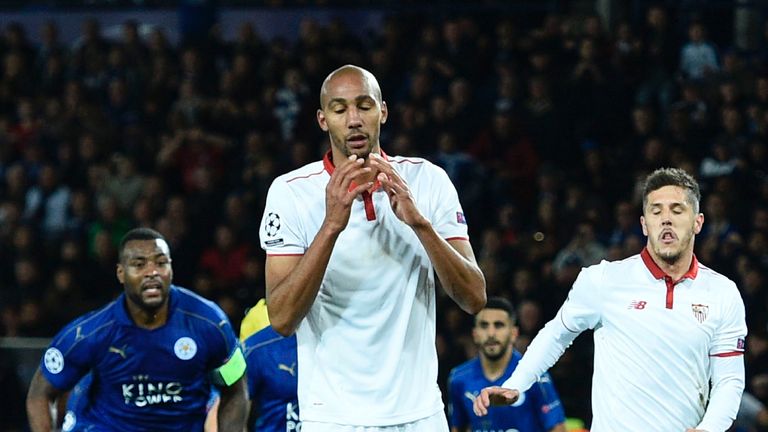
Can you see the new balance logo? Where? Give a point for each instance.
(637, 304)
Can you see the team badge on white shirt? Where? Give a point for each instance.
(700, 311)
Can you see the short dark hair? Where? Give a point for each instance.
(672, 177)
(138, 234)
(502, 303)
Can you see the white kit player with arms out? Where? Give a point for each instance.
(669, 332)
(353, 244)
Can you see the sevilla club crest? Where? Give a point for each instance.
(700, 312)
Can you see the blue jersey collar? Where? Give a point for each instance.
(121, 310)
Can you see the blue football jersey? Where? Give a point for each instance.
(538, 409)
(272, 379)
(142, 380)
(77, 402)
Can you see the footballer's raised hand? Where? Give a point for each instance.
(400, 198)
(339, 195)
(493, 396)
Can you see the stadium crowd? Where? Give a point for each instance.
(544, 126)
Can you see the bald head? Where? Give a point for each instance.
(345, 72)
(352, 112)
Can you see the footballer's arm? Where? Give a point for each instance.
(233, 407)
(41, 395)
(457, 269)
(293, 281)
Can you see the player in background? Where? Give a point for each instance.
(537, 410)
(153, 354)
(272, 374)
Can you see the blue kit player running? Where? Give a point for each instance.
(538, 410)
(272, 374)
(153, 354)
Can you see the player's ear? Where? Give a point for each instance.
(698, 223)
(120, 271)
(642, 224)
(384, 112)
(321, 120)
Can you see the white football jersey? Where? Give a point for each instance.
(366, 349)
(654, 341)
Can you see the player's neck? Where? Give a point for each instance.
(675, 269)
(147, 319)
(494, 369)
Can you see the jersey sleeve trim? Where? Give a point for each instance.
(457, 238)
(728, 354)
(285, 254)
(565, 326)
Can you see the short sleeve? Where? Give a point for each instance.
(225, 344)
(280, 230)
(732, 331)
(581, 310)
(69, 357)
(447, 217)
(457, 416)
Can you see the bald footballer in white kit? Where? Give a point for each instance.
(353, 245)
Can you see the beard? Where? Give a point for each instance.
(671, 257)
(153, 306)
(493, 356)
(362, 153)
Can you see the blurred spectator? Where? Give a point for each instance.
(719, 161)
(626, 224)
(225, 260)
(123, 183)
(15, 81)
(661, 59)
(135, 52)
(583, 250)
(290, 102)
(544, 120)
(47, 204)
(109, 226)
(50, 45)
(752, 415)
(698, 57)
(510, 156)
(29, 284)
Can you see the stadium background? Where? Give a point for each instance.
(177, 115)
